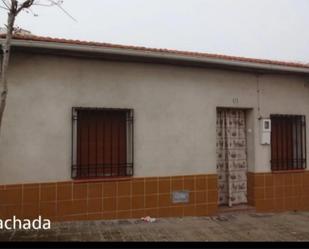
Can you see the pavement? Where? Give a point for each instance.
(288, 226)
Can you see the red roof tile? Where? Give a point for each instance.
(167, 51)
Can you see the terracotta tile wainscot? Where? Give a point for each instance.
(279, 191)
(110, 198)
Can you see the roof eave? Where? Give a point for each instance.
(156, 55)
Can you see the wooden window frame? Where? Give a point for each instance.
(288, 142)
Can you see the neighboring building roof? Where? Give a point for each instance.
(159, 53)
(17, 31)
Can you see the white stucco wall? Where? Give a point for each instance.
(174, 108)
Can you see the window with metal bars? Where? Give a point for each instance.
(288, 142)
(102, 142)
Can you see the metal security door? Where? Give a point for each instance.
(231, 156)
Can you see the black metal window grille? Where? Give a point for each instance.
(288, 142)
(102, 142)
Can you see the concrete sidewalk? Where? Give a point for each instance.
(290, 226)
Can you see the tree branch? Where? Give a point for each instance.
(67, 13)
(6, 5)
(25, 5)
(4, 8)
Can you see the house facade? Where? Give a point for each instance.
(100, 131)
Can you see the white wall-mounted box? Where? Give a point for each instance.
(265, 130)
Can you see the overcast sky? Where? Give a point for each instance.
(277, 29)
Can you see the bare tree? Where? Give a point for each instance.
(13, 8)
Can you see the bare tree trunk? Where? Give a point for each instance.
(13, 10)
(5, 61)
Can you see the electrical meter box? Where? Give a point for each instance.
(265, 130)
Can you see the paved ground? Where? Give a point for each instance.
(291, 226)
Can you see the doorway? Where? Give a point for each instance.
(232, 163)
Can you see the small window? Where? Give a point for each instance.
(288, 142)
(102, 143)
